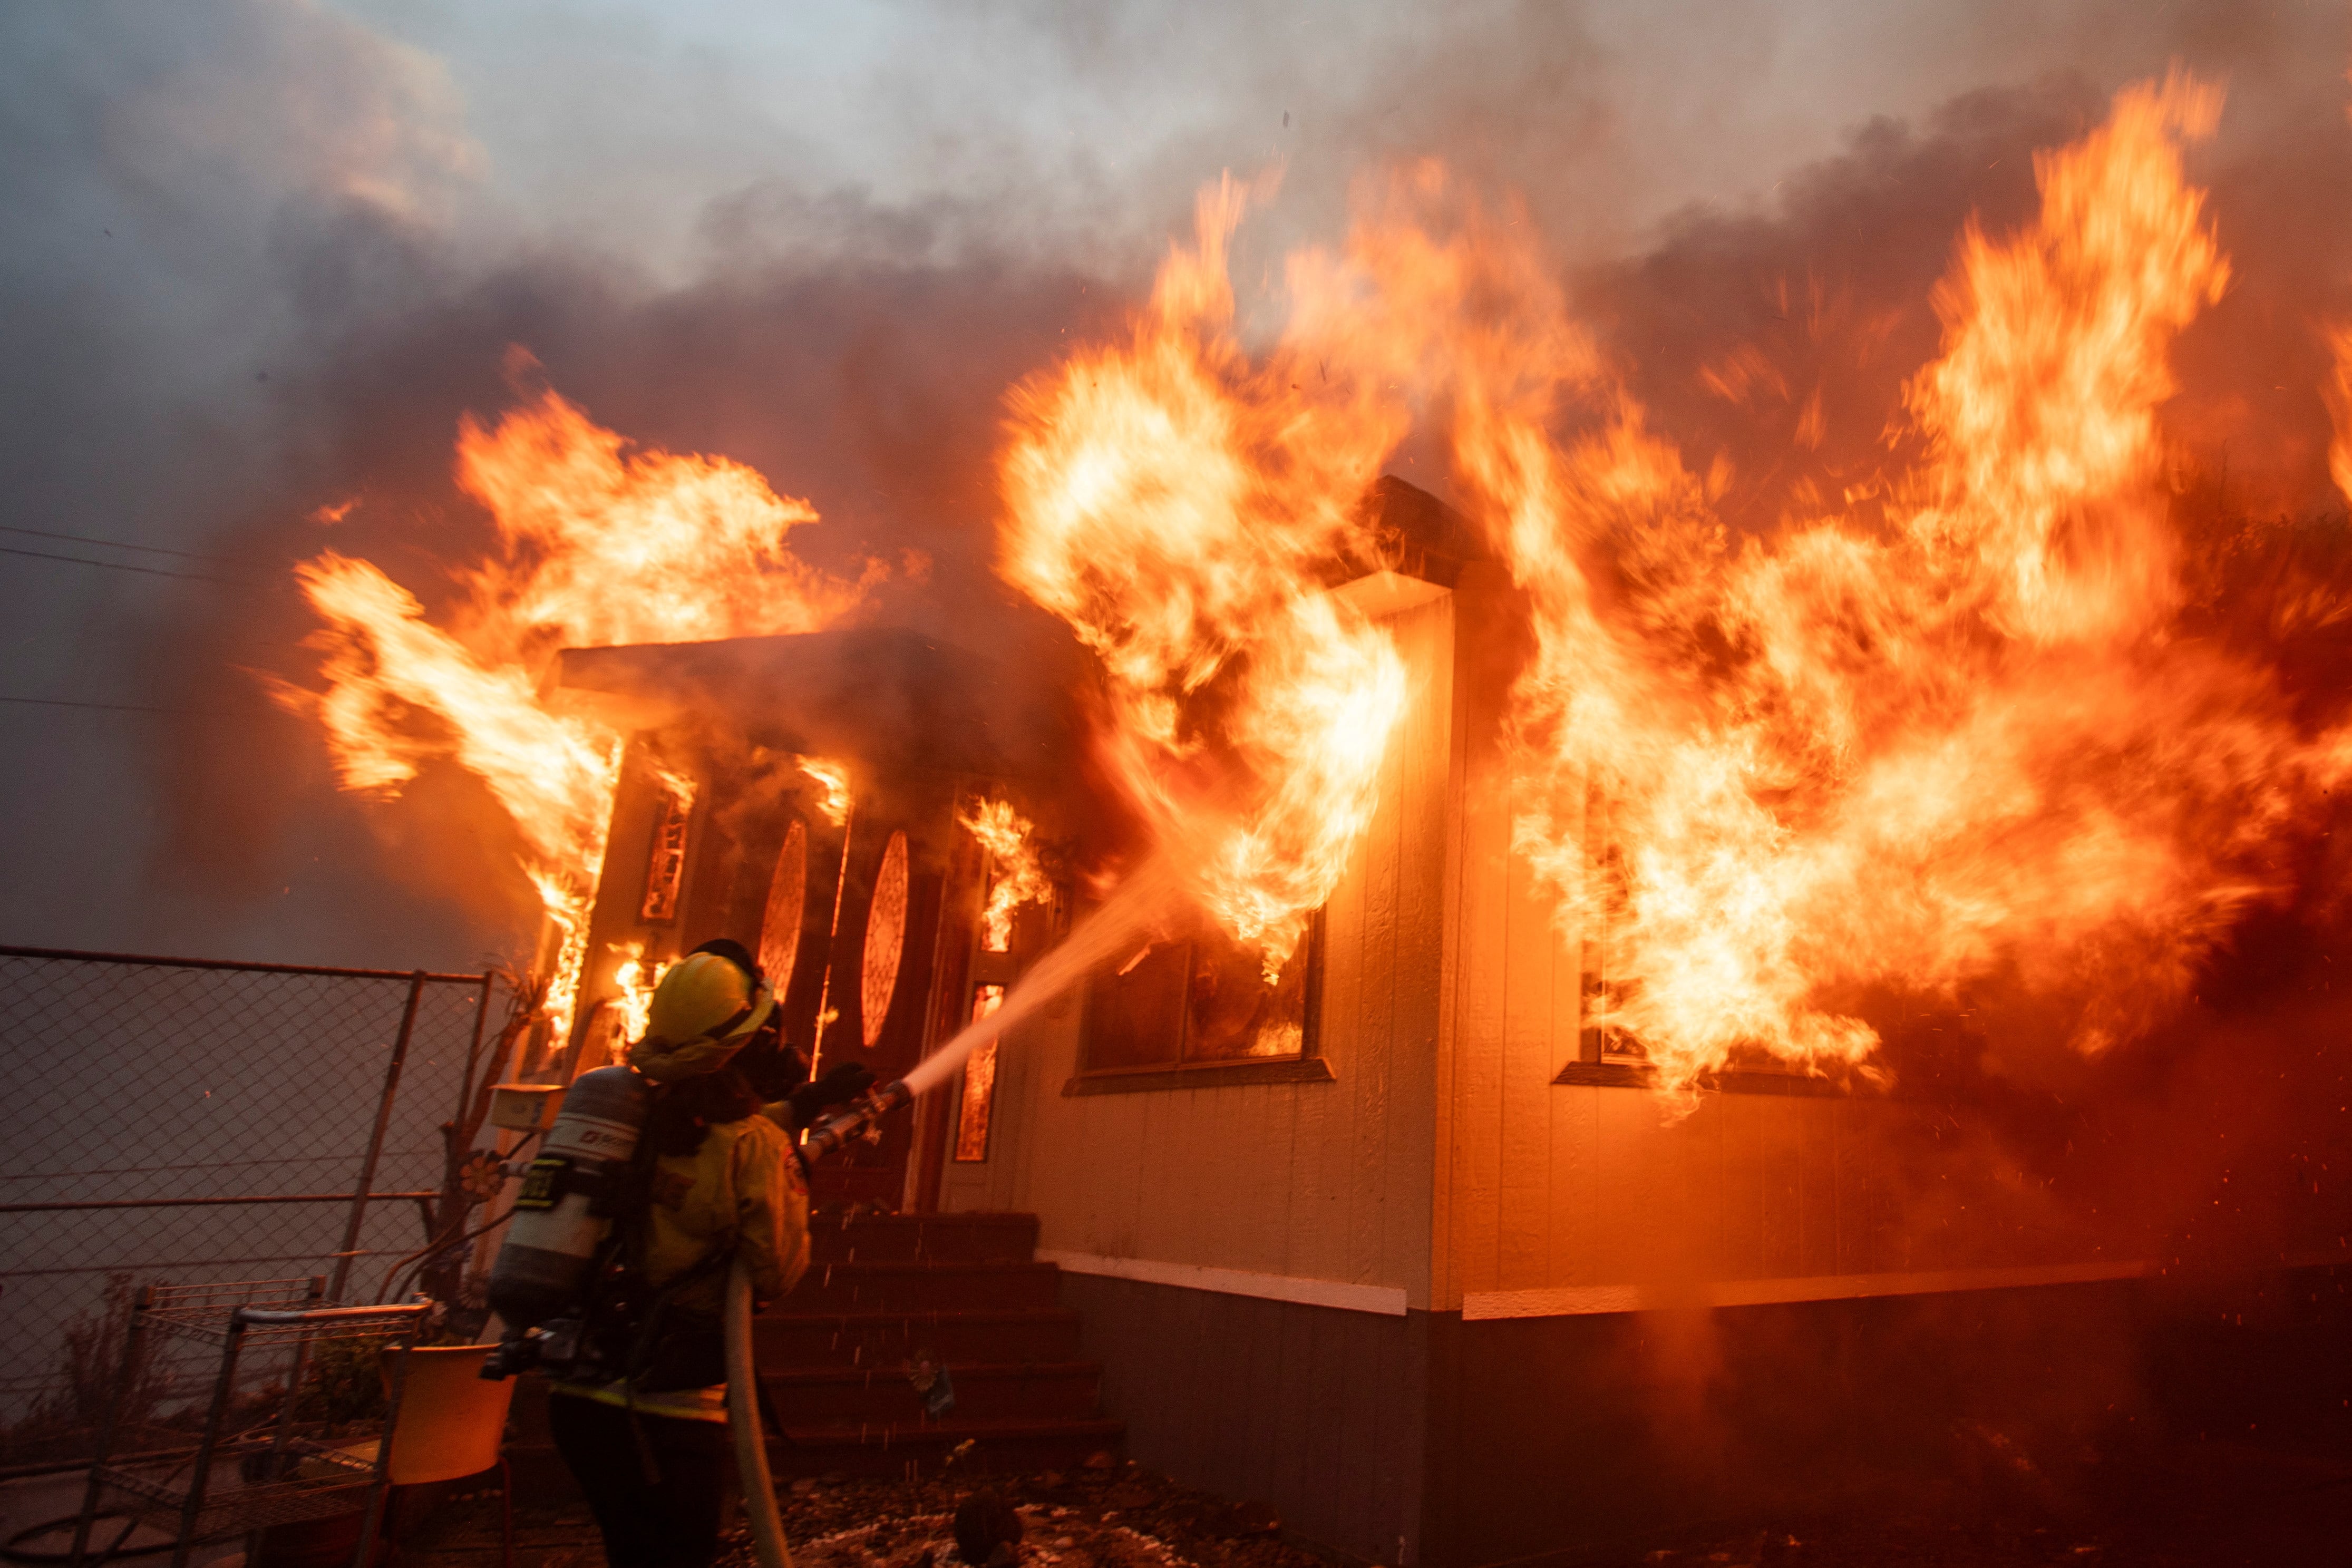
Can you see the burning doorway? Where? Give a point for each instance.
(800, 795)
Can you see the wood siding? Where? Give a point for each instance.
(1322, 1181)
(1443, 1159)
(1543, 1185)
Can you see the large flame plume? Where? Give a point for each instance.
(596, 546)
(1948, 733)
(1944, 731)
(1175, 502)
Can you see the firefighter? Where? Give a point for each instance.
(715, 1180)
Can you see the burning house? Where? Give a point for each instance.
(1475, 1001)
(1388, 1238)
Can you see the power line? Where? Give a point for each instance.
(112, 544)
(126, 566)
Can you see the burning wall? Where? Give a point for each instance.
(1945, 729)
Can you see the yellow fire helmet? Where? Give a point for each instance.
(703, 1012)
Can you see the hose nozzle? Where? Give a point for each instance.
(867, 1111)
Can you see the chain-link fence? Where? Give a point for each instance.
(186, 1121)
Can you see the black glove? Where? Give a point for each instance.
(841, 1083)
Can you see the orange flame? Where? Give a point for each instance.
(1016, 879)
(1175, 504)
(1918, 754)
(834, 780)
(2339, 404)
(635, 981)
(1944, 739)
(597, 547)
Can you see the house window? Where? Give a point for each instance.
(666, 866)
(1195, 997)
(979, 1084)
(1598, 1040)
(1606, 1055)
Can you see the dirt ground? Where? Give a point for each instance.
(2199, 1506)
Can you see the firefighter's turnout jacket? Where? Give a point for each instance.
(741, 1191)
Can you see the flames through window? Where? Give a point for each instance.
(979, 1084)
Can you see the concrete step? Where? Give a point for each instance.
(913, 1238)
(923, 1287)
(997, 1447)
(1017, 1391)
(783, 1340)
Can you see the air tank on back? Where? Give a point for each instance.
(564, 1209)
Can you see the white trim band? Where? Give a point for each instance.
(1386, 1300)
(1572, 1301)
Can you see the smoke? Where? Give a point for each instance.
(158, 165)
(284, 253)
(266, 254)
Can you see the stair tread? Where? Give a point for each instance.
(1038, 1426)
(1007, 1216)
(834, 1374)
(929, 1314)
(932, 1266)
(901, 1223)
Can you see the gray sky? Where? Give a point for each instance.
(204, 202)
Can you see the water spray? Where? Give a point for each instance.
(1093, 940)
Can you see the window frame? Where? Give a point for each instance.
(1307, 1065)
(1604, 1059)
(960, 1106)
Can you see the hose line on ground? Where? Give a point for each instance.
(743, 1420)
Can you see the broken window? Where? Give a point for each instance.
(1194, 997)
(666, 866)
(979, 1082)
(1598, 1037)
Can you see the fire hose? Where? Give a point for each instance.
(1099, 936)
(758, 1488)
(1089, 943)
